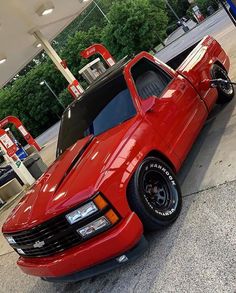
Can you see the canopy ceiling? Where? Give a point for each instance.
(18, 18)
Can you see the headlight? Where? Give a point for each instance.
(98, 203)
(93, 227)
(10, 240)
(103, 222)
(81, 213)
(105, 216)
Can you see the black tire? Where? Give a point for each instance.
(154, 194)
(225, 92)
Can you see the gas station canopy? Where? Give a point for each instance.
(19, 19)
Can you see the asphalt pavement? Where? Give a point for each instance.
(179, 32)
(196, 254)
(211, 26)
(49, 135)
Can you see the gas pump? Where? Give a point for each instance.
(94, 69)
(8, 149)
(18, 124)
(197, 14)
(101, 50)
(21, 153)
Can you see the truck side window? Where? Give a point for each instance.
(150, 80)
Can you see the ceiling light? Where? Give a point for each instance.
(37, 45)
(3, 58)
(45, 9)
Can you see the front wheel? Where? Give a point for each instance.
(225, 91)
(154, 194)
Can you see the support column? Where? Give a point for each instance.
(18, 167)
(59, 63)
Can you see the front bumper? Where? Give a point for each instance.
(104, 267)
(100, 249)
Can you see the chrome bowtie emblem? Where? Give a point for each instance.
(39, 244)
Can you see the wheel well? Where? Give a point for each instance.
(157, 154)
(220, 65)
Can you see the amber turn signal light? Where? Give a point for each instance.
(112, 217)
(100, 202)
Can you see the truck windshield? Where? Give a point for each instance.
(105, 106)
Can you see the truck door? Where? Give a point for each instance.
(178, 113)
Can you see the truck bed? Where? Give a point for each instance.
(177, 60)
(195, 64)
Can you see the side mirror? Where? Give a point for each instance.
(148, 104)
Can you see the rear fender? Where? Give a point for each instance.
(197, 68)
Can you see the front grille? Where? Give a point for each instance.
(51, 237)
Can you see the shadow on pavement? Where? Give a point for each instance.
(201, 155)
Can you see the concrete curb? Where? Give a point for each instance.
(10, 202)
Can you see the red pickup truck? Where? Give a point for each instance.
(120, 147)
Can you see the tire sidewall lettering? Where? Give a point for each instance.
(163, 169)
(165, 214)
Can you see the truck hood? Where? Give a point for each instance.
(73, 178)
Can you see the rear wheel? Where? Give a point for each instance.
(225, 92)
(154, 194)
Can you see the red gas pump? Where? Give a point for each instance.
(7, 143)
(19, 125)
(101, 50)
(8, 149)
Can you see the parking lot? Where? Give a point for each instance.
(197, 253)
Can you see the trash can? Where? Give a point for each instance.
(31, 150)
(35, 165)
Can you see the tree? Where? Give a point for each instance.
(135, 25)
(33, 103)
(80, 41)
(179, 6)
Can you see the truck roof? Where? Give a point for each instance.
(110, 74)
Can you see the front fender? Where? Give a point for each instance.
(117, 177)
